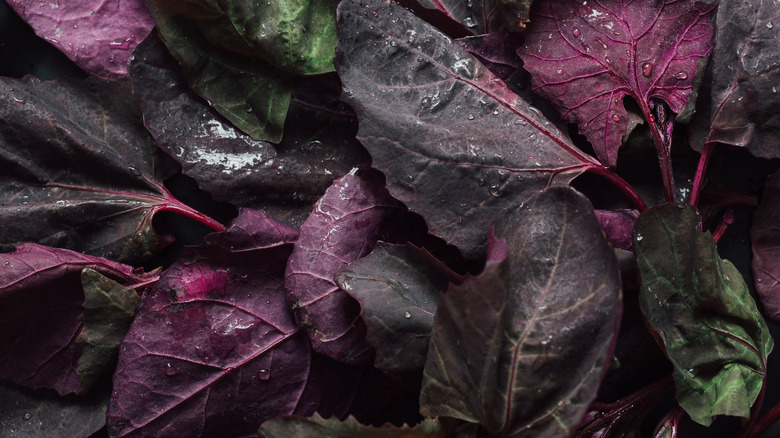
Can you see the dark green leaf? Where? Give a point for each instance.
(108, 311)
(318, 427)
(703, 312)
(521, 348)
(397, 288)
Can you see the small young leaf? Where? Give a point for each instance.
(398, 288)
(318, 427)
(586, 57)
(703, 313)
(522, 347)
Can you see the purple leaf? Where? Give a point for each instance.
(317, 427)
(229, 164)
(522, 347)
(586, 57)
(398, 288)
(214, 349)
(455, 144)
(93, 181)
(618, 226)
(765, 242)
(344, 226)
(97, 35)
(496, 50)
(42, 298)
(744, 71)
(477, 17)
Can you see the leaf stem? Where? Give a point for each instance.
(663, 144)
(766, 420)
(725, 221)
(698, 180)
(620, 184)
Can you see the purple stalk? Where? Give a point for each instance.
(620, 184)
(698, 180)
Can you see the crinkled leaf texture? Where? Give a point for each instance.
(241, 56)
(455, 144)
(765, 243)
(522, 347)
(42, 297)
(703, 314)
(587, 56)
(318, 427)
(95, 34)
(397, 288)
(344, 226)
(229, 164)
(93, 181)
(214, 349)
(746, 77)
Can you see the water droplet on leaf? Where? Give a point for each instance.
(407, 315)
(647, 69)
(681, 76)
(615, 117)
(768, 24)
(425, 102)
(559, 71)
(470, 117)
(263, 374)
(576, 33)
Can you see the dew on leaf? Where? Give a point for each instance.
(470, 117)
(559, 71)
(263, 374)
(681, 75)
(647, 69)
(576, 33)
(407, 315)
(615, 117)
(27, 416)
(768, 24)
(425, 102)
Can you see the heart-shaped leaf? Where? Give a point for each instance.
(522, 347)
(703, 313)
(587, 57)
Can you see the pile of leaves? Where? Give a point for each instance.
(442, 218)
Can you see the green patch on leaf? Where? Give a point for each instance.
(703, 313)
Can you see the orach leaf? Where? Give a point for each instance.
(96, 35)
(318, 427)
(455, 144)
(703, 313)
(241, 56)
(478, 17)
(745, 68)
(497, 51)
(586, 57)
(765, 243)
(522, 347)
(344, 226)
(92, 183)
(397, 288)
(214, 349)
(227, 163)
(42, 298)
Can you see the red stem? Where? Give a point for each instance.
(725, 221)
(663, 145)
(620, 184)
(766, 420)
(698, 180)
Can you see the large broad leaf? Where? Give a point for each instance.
(318, 427)
(765, 243)
(241, 56)
(92, 181)
(522, 347)
(703, 313)
(97, 35)
(228, 164)
(214, 349)
(587, 56)
(44, 339)
(456, 145)
(344, 226)
(746, 77)
(397, 288)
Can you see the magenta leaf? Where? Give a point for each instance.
(214, 349)
(93, 181)
(746, 78)
(42, 300)
(344, 226)
(282, 180)
(456, 145)
(586, 57)
(521, 348)
(765, 242)
(97, 35)
(618, 226)
(496, 50)
(478, 17)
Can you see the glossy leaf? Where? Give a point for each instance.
(229, 164)
(478, 17)
(93, 181)
(318, 427)
(344, 226)
(703, 313)
(522, 347)
(214, 348)
(497, 51)
(765, 243)
(397, 288)
(97, 35)
(587, 57)
(42, 330)
(745, 78)
(455, 144)
(241, 56)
